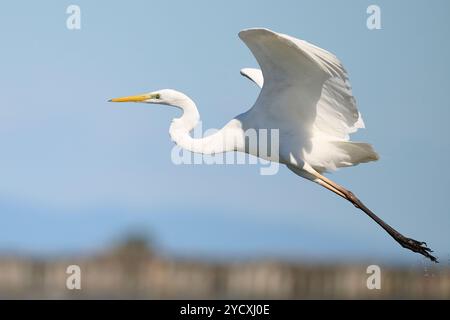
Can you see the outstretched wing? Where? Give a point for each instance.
(301, 83)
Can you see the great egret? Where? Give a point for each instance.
(306, 95)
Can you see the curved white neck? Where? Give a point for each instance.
(223, 140)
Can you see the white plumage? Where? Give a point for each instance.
(308, 88)
(307, 97)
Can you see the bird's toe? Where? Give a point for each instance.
(417, 246)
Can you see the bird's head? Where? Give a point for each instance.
(166, 96)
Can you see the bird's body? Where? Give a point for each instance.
(312, 108)
(306, 97)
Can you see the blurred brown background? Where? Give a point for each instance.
(133, 270)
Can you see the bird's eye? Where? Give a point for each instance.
(157, 96)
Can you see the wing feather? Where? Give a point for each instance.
(313, 83)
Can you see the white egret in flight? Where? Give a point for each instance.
(305, 95)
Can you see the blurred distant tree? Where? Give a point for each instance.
(135, 245)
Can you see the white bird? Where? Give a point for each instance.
(307, 97)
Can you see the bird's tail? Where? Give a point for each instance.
(355, 153)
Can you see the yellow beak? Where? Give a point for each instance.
(138, 98)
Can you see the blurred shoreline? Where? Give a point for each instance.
(132, 269)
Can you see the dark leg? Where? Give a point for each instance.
(411, 244)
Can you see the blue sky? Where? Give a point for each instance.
(77, 172)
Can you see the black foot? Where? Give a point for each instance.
(416, 246)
